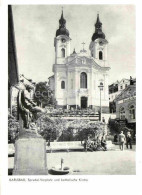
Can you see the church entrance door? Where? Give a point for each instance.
(83, 102)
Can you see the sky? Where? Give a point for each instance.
(35, 27)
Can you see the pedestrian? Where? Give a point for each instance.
(121, 139)
(115, 138)
(48, 143)
(103, 119)
(129, 140)
(85, 145)
(88, 144)
(103, 144)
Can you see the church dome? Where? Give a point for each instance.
(62, 31)
(98, 35)
(62, 27)
(98, 30)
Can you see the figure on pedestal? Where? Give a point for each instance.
(27, 108)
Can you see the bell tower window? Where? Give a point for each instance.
(62, 84)
(100, 55)
(63, 53)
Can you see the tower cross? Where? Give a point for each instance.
(83, 45)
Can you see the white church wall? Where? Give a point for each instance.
(69, 68)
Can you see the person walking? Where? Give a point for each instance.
(129, 140)
(103, 144)
(85, 145)
(121, 139)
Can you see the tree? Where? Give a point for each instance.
(51, 129)
(43, 94)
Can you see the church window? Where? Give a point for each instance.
(62, 84)
(63, 52)
(83, 80)
(100, 55)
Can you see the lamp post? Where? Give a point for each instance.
(101, 89)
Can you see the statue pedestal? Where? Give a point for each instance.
(30, 155)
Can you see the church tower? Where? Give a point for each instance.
(62, 42)
(77, 76)
(98, 45)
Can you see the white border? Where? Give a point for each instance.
(97, 184)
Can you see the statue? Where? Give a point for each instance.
(30, 148)
(28, 110)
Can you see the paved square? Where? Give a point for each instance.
(96, 163)
(93, 163)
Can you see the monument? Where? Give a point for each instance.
(30, 147)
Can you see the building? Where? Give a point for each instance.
(126, 104)
(77, 76)
(117, 87)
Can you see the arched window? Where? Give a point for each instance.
(100, 55)
(62, 84)
(122, 113)
(132, 112)
(63, 52)
(83, 80)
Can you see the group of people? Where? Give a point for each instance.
(101, 145)
(122, 139)
(96, 145)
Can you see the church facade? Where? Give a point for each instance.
(77, 76)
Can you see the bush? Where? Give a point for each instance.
(85, 128)
(51, 129)
(63, 130)
(13, 129)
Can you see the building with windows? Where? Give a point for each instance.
(77, 75)
(117, 87)
(126, 104)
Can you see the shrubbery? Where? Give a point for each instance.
(63, 130)
(13, 128)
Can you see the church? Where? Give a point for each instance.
(77, 76)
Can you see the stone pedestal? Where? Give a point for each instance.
(30, 155)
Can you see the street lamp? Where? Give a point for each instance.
(101, 89)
